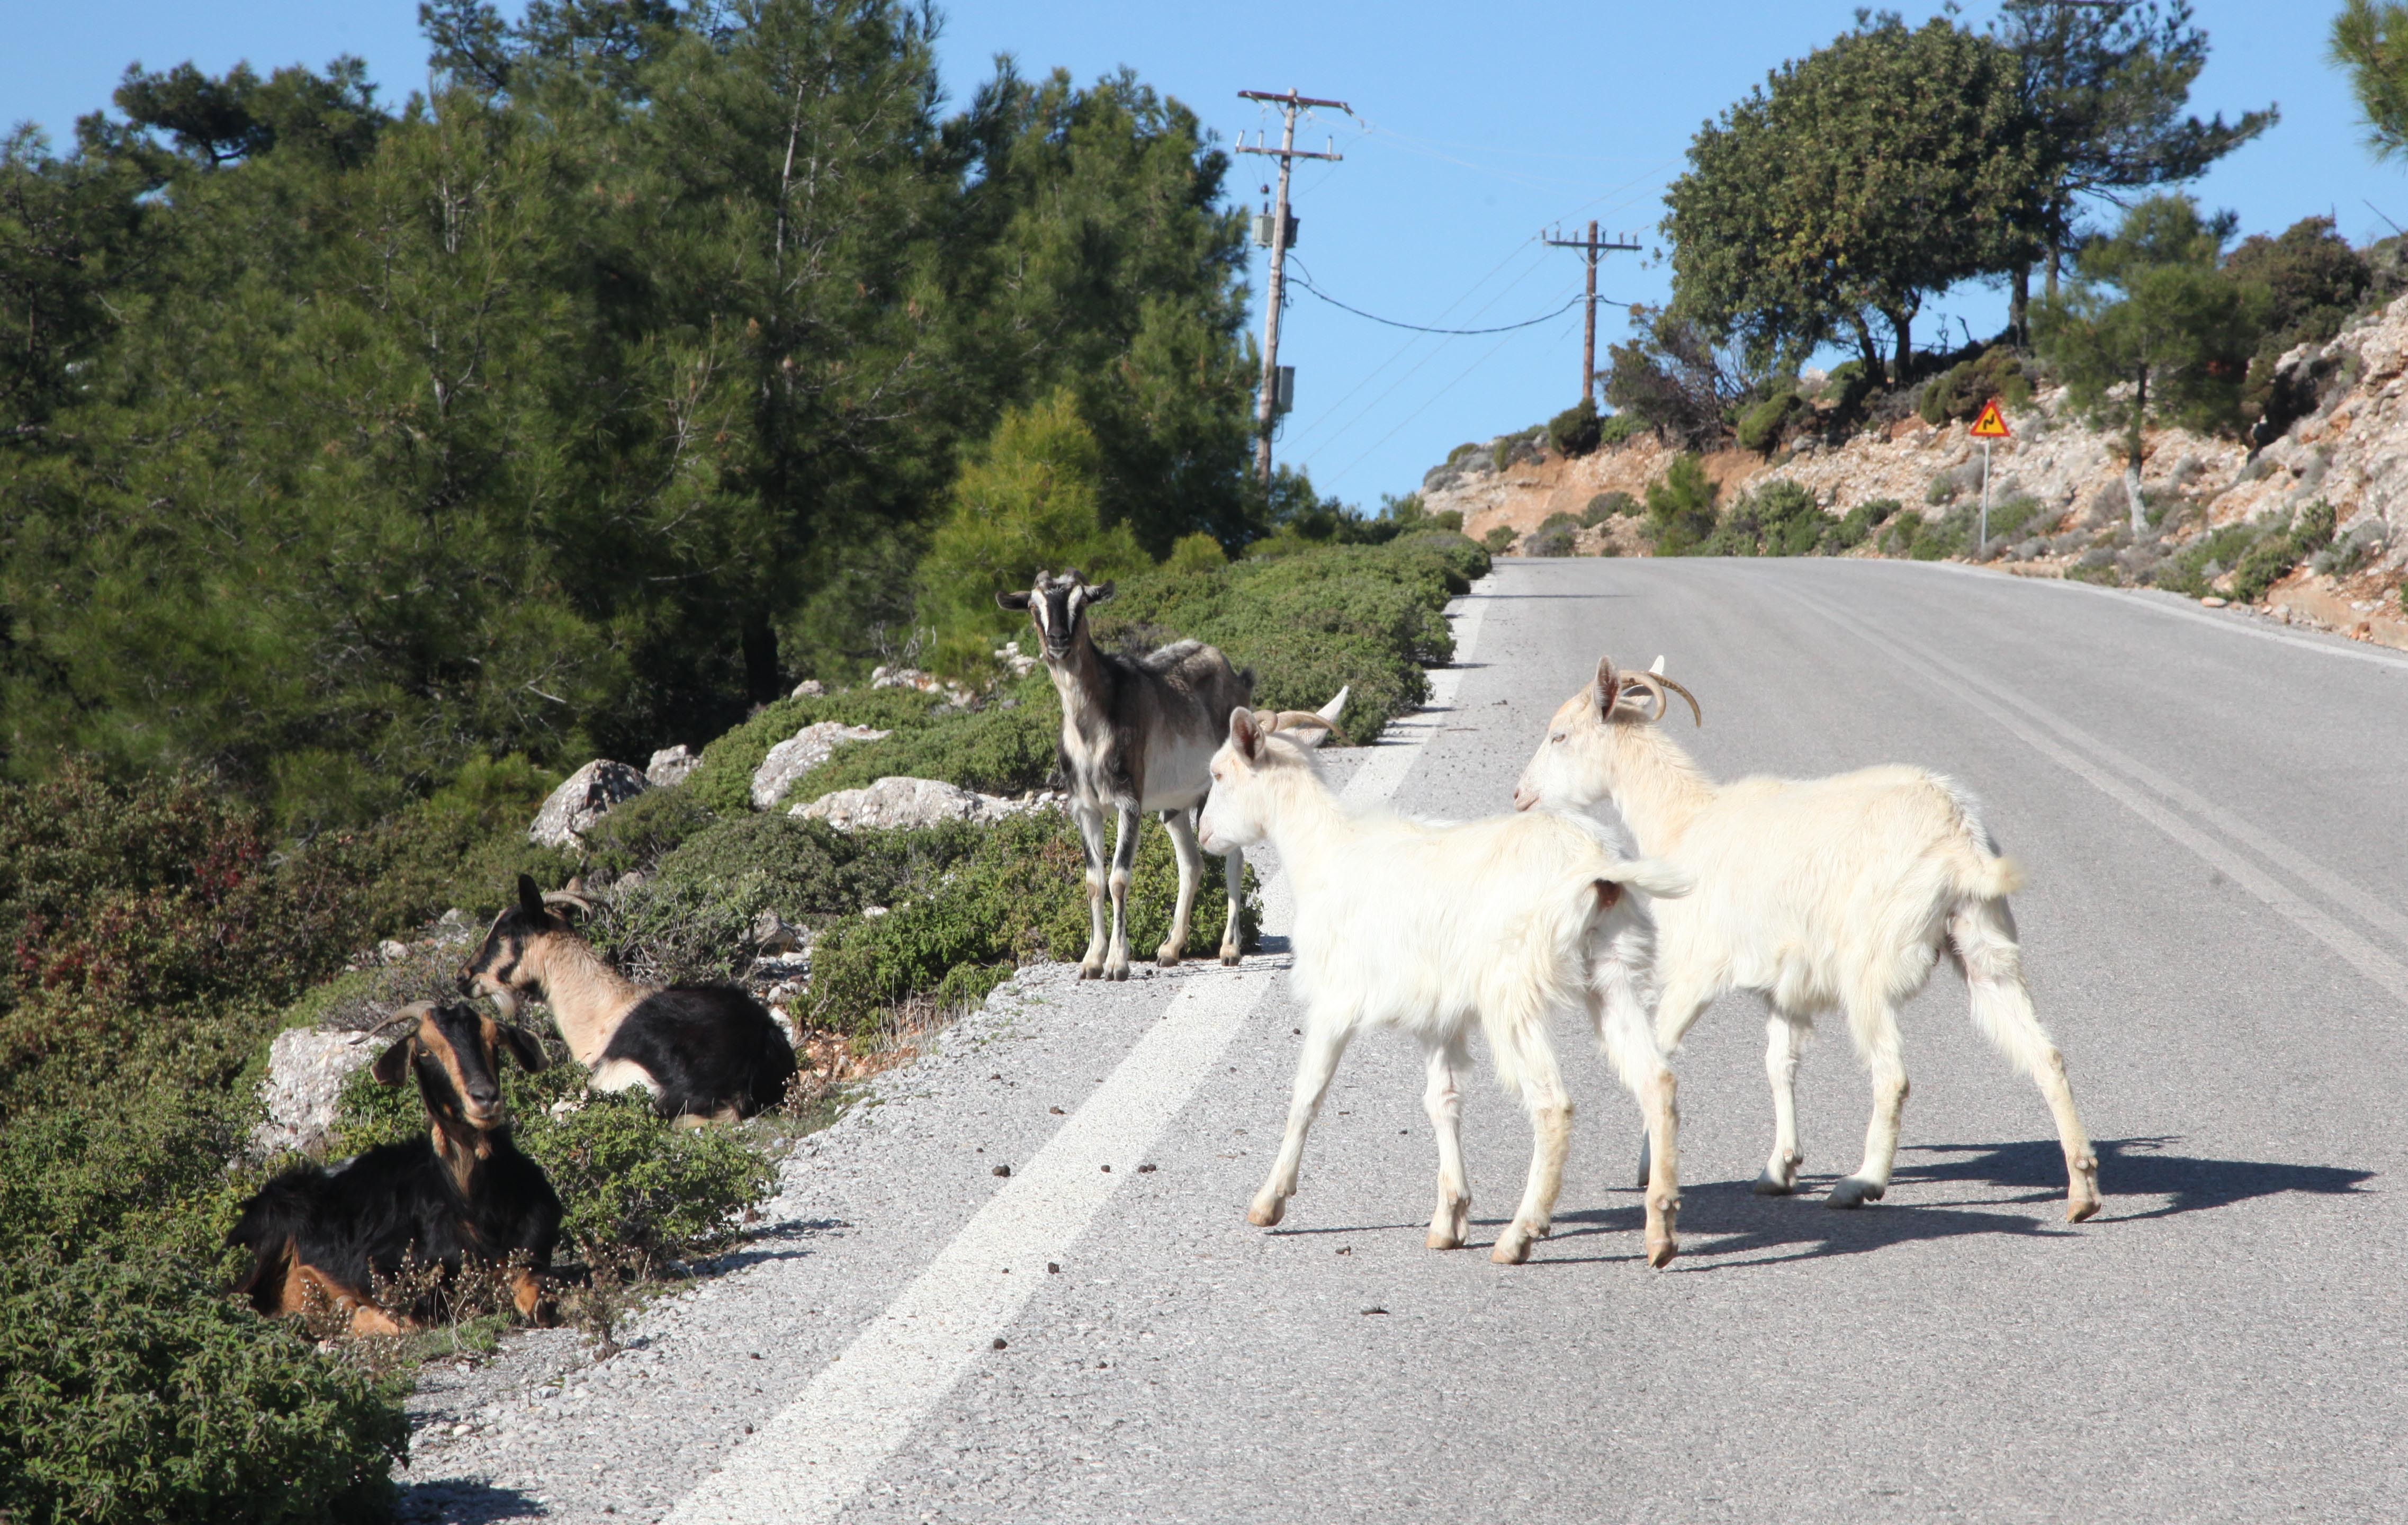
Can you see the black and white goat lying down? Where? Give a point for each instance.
(462, 1193)
(705, 1053)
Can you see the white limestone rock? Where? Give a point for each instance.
(893, 803)
(671, 765)
(798, 754)
(585, 798)
(306, 1070)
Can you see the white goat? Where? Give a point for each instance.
(1820, 894)
(1433, 928)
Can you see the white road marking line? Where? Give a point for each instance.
(2235, 625)
(2361, 954)
(816, 1455)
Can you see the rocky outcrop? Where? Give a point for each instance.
(798, 754)
(306, 1070)
(900, 803)
(585, 798)
(671, 765)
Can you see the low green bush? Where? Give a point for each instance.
(1498, 539)
(1513, 448)
(2271, 560)
(1680, 507)
(1325, 617)
(1959, 391)
(1778, 519)
(1005, 747)
(1606, 506)
(1552, 539)
(1021, 894)
(1760, 427)
(1576, 430)
(1851, 529)
(134, 1391)
(637, 833)
(1618, 428)
(2193, 569)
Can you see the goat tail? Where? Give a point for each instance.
(1986, 877)
(1653, 875)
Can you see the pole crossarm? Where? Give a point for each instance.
(1291, 99)
(1288, 154)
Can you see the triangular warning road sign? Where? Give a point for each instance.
(1992, 425)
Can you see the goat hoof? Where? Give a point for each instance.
(2081, 1208)
(1088, 971)
(1230, 960)
(1168, 957)
(1117, 975)
(1853, 1192)
(1440, 1240)
(1511, 1250)
(1660, 1252)
(1769, 1184)
(1266, 1214)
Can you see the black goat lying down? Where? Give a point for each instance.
(707, 1053)
(464, 1192)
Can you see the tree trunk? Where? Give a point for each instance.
(2056, 257)
(2132, 452)
(1902, 324)
(1866, 349)
(762, 682)
(2019, 306)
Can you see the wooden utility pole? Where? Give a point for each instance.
(1283, 231)
(1591, 248)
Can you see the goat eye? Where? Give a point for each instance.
(1555, 738)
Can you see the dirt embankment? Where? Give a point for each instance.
(2351, 451)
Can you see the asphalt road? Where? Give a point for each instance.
(2212, 818)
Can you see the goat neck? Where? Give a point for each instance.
(1656, 786)
(1306, 825)
(1084, 685)
(588, 998)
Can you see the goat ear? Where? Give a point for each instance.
(523, 1045)
(1244, 735)
(1100, 593)
(392, 1063)
(1609, 685)
(1015, 601)
(530, 897)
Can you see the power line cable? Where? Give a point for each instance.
(1304, 279)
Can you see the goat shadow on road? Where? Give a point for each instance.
(1725, 1226)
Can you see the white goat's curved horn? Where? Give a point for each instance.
(569, 897)
(1655, 683)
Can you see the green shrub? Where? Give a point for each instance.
(2009, 518)
(1779, 519)
(1513, 448)
(1576, 430)
(1552, 539)
(1020, 895)
(1760, 427)
(1196, 552)
(1851, 529)
(1618, 428)
(1959, 391)
(1606, 506)
(1006, 747)
(637, 833)
(2194, 568)
(1680, 507)
(135, 1391)
(721, 781)
(2271, 560)
(1325, 617)
(1499, 539)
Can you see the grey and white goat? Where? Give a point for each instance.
(1137, 734)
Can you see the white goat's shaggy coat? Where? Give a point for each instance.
(1435, 928)
(1821, 894)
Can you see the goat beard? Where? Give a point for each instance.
(506, 1002)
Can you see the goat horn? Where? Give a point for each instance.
(1287, 718)
(569, 897)
(1656, 683)
(415, 1011)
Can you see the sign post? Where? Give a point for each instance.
(1991, 426)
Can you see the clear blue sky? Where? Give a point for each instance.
(1475, 128)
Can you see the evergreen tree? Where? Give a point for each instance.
(2152, 330)
(2108, 84)
(2370, 39)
